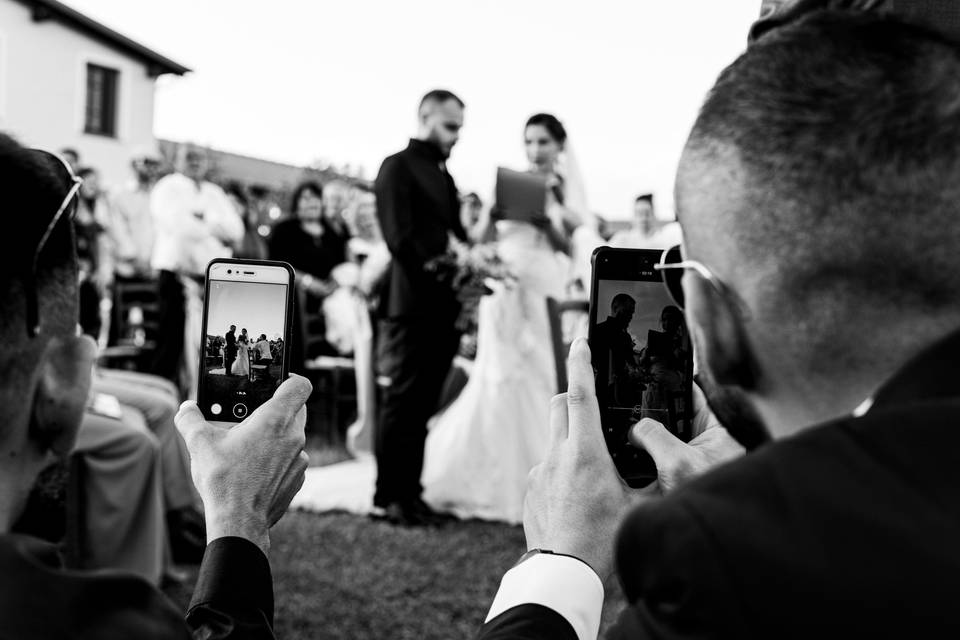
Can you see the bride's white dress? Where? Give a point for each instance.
(241, 366)
(480, 450)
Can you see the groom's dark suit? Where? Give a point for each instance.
(418, 207)
(230, 351)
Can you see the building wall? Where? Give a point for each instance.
(43, 92)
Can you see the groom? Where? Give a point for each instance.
(230, 349)
(418, 208)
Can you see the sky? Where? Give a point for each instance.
(258, 308)
(300, 81)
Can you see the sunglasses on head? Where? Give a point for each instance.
(68, 208)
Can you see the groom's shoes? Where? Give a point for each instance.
(411, 513)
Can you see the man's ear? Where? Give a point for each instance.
(62, 393)
(717, 327)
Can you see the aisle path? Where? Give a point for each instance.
(344, 486)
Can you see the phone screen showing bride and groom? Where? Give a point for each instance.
(642, 358)
(243, 347)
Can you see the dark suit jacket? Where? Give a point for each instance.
(846, 530)
(230, 349)
(40, 601)
(418, 206)
(612, 349)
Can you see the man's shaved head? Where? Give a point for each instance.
(822, 182)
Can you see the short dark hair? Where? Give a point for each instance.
(312, 186)
(847, 129)
(34, 184)
(622, 299)
(644, 197)
(551, 123)
(440, 96)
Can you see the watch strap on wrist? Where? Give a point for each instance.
(532, 552)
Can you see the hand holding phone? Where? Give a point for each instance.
(247, 475)
(642, 356)
(245, 344)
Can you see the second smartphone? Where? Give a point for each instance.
(245, 343)
(642, 356)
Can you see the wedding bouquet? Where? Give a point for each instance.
(470, 270)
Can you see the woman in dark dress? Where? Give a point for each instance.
(308, 242)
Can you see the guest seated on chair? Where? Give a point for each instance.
(818, 197)
(253, 469)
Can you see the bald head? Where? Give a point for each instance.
(822, 181)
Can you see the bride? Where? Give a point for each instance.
(480, 449)
(241, 367)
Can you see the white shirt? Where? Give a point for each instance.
(669, 235)
(564, 584)
(264, 348)
(131, 226)
(193, 224)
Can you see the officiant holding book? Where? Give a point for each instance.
(419, 209)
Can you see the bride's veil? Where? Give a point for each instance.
(575, 194)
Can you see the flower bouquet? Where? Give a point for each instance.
(470, 270)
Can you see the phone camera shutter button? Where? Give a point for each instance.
(240, 410)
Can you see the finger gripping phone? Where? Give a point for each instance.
(245, 343)
(642, 356)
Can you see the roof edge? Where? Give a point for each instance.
(157, 64)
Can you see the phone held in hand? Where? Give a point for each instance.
(245, 343)
(642, 355)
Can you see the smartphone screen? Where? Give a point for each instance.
(642, 356)
(245, 343)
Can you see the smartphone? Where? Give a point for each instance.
(245, 343)
(642, 355)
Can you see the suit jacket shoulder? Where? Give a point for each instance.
(850, 527)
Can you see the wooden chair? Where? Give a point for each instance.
(137, 298)
(561, 346)
(331, 378)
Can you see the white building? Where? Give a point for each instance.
(69, 81)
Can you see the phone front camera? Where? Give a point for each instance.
(229, 271)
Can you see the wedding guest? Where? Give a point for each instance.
(94, 250)
(418, 209)
(122, 523)
(72, 156)
(842, 524)
(253, 246)
(195, 223)
(337, 197)
(313, 248)
(262, 347)
(156, 399)
(643, 230)
(131, 227)
(245, 479)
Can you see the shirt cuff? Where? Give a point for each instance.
(565, 585)
(235, 578)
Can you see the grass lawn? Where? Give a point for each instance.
(345, 576)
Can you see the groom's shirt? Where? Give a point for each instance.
(418, 208)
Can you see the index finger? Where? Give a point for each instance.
(287, 400)
(582, 408)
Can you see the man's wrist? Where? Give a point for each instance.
(533, 552)
(228, 524)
